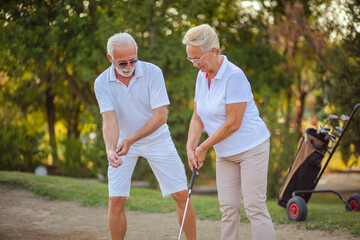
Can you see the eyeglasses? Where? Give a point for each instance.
(123, 64)
(193, 60)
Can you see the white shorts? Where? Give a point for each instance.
(163, 160)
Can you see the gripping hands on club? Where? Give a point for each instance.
(196, 158)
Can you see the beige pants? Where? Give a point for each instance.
(243, 177)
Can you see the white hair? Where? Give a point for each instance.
(203, 36)
(119, 39)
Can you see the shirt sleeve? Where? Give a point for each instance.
(158, 93)
(238, 89)
(103, 97)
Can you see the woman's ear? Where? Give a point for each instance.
(214, 51)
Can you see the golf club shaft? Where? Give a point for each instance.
(183, 219)
(187, 201)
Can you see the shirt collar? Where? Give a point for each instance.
(222, 68)
(138, 72)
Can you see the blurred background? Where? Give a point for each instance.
(302, 59)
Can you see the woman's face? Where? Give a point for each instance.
(199, 59)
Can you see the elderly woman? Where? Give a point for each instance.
(225, 107)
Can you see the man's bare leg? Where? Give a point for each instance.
(190, 219)
(117, 218)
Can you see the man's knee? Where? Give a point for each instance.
(117, 204)
(180, 197)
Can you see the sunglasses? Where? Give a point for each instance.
(123, 64)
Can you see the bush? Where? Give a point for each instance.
(19, 147)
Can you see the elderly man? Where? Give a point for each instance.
(132, 98)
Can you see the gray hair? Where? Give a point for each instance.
(119, 39)
(203, 36)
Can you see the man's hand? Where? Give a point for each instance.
(113, 158)
(124, 147)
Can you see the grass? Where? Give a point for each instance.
(325, 212)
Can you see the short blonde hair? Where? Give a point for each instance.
(203, 36)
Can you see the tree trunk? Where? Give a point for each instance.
(73, 120)
(300, 109)
(288, 108)
(50, 112)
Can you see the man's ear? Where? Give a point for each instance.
(109, 57)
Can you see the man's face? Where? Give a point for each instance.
(124, 59)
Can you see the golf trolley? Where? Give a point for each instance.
(305, 171)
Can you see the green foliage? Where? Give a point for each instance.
(20, 144)
(51, 52)
(282, 141)
(56, 49)
(94, 152)
(73, 163)
(20, 149)
(340, 82)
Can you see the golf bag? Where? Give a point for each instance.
(305, 168)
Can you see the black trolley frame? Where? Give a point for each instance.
(299, 193)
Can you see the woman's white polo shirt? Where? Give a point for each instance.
(230, 85)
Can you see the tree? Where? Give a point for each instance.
(295, 36)
(340, 82)
(55, 48)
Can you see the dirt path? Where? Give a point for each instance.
(25, 216)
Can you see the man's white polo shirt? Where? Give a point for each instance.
(230, 85)
(133, 104)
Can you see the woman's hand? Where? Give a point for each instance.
(200, 154)
(192, 161)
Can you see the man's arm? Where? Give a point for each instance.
(156, 121)
(111, 136)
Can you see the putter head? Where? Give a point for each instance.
(324, 132)
(337, 134)
(325, 129)
(344, 118)
(332, 116)
(338, 129)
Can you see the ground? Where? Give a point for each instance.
(25, 216)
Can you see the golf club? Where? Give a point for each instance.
(331, 117)
(187, 200)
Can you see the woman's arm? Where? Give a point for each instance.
(195, 130)
(234, 116)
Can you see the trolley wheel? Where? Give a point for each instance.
(354, 202)
(296, 209)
